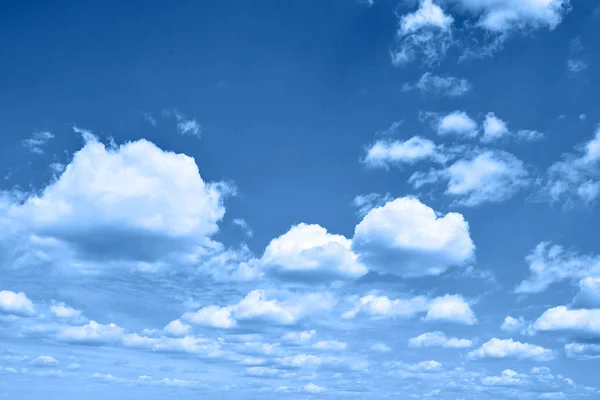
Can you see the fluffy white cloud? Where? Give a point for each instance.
(493, 128)
(44, 361)
(177, 328)
(457, 123)
(407, 238)
(16, 303)
(91, 333)
(576, 178)
(310, 252)
(451, 308)
(552, 263)
(589, 293)
(507, 378)
(299, 338)
(512, 324)
(582, 351)
(312, 388)
(426, 31)
(257, 306)
(490, 176)
(386, 152)
(61, 310)
(154, 200)
(439, 339)
(508, 348)
(584, 322)
(441, 85)
(330, 345)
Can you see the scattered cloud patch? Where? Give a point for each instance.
(494, 128)
(37, 141)
(451, 308)
(457, 123)
(582, 323)
(366, 202)
(582, 351)
(16, 303)
(512, 324)
(384, 153)
(508, 348)
(440, 85)
(439, 339)
(243, 226)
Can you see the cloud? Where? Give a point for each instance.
(185, 125)
(582, 351)
(16, 303)
(576, 178)
(439, 339)
(457, 123)
(330, 345)
(493, 128)
(44, 361)
(451, 308)
(589, 293)
(186, 345)
(74, 367)
(507, 378)
(92, 334)
(405, 237)
(384, 153)
(550, 263)
(309, 252)
(257, 306)
(177, 328)
(154, 200)
(426, 31)
(491, 176)
(511, 324)
(508, 348)
(37, 141)
(299, 338)
(575, 65)
(381, 348)
(61, 310)
(583, 323)
(243, 226)
(441, 85)
(366, 202)
(312, 388)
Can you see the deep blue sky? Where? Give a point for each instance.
(291, 95)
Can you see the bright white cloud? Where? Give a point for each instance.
(61, 310)
(583, 322)
(91, 334)
(509, 348)
(36, 142)
(407, 238)
(582, 351)
(457, 123)
(177, 328)
(16, 303)
(439, 339)
(441, 85)
(44, 361)
(154, 200)
(330, 345)
(215, 316)
(549, 264)
(451, 308)
(589, 293)
(385, 152)
(299, 338)
(310, 252)
(490, 176)
(512, 324)
(507, 378)
(493, 128)
(312, 388)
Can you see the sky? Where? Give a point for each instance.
(337, 199)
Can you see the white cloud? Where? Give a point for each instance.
(576, 178)
(407, 238)
(439, 339)
(584, 322)
(330, 345)
(426, 31)
(154, 200)
(299, 338)
(508, 348)
(36, 142)
(44, 361)
(451, 308)
(91, 333)
(528, 135)
(215, 316)
(575, 65)
(185, 125)
(61, 310)
(312, 388)
(507, 378)
(381, 348)
(457, 123)
(187, 345)
(490, 176)
(552, 263)
(385, 152)
(16, 303)
(494, 128)
(512, 324)
(244, 226)
(309, 252)
(441, 85)
(589, 293)
(74, 367)
(366, 202)
(582, 351)
(177, 328)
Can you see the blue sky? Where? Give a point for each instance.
(334, 199)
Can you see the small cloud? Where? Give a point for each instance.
(582, 117)
(576, 66)
(441, 85)
(149, 118)
(244, 226)
(185, 125)
(36, 142)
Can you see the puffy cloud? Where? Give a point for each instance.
(61, 310)
(552, 263)
(185, 125)
(507, 378)
(451, 308)
(508, 348)
(16, 303)
(310, 252)
(582, 322)
(493, 128)
(528, 135)
(154, 200)
(511, 324)
(186, 345)
(177, 328)
(427, 31)
(92, 333)
(589, 293)
(490, 176)
(381, 348)
(366, 202)
(257, 306)
(407, 238)
(330, 345)
(44, 361)
(439, 339)
(74, 367)
(36, 142)
(576, 178)
(386, 152)
(299, 338)
(441, 85)
(582, 351)
(457, 123)
(312, 388)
